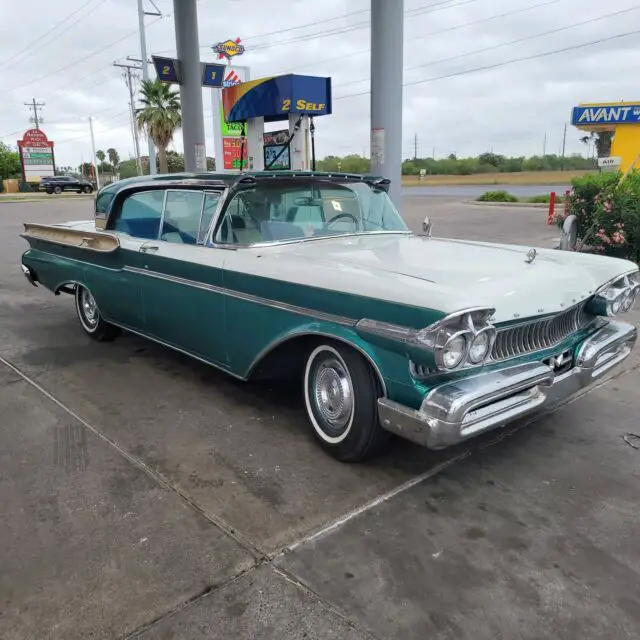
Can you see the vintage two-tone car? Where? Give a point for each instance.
(316, 275)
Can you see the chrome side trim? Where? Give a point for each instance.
(385, 329)
(457, 410)
(247, 297)
(274, 345)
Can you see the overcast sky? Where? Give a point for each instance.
(508, 108)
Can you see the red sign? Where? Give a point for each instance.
(231, 149)
(34, 138)
(36, 155)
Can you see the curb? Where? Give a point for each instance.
(10, 200)
(525, 205)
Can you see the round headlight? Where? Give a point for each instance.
(454, 351)
(616, 304)
(479, 347)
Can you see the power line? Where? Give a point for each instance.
(504, 44)
(83, 58)
(440, 31)
(84, 135)
(428, 8)
(502, 64)
(39, 38)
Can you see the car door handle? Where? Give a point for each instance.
(146, 248)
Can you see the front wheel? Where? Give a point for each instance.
(88, 189)
(90, 319)
(57, 190)
(341, 393)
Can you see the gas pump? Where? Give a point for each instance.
(291, 98)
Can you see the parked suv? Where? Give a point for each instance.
(58, 184)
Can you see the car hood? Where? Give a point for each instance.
(448, 275)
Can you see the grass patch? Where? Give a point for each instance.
(519, 178)
(496, 196)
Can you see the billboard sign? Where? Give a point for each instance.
(36, 156)
(228, 49)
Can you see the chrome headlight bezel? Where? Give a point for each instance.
(616, 296)
(468, 324)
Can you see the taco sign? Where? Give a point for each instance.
(229, 49)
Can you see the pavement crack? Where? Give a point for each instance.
(192, 600)
(160, 478)
(289, 577)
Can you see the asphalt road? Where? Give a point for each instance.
(146, 495)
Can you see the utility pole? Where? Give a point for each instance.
(415, 146)
(564, 146)
(544, 145)
(34, 106)
(185, 15)
(145, 72)
(134, 129)
(93, 153)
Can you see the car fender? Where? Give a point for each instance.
(346, 335)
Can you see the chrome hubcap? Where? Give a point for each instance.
(89, 307)
(333, 394)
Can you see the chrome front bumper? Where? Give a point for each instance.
(458, 410)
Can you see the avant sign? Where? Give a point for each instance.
(606, 115)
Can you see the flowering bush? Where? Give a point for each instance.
(607, 206)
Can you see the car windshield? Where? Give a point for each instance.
(278, 211)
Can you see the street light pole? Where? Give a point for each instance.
(188, 46)
(145, 77)
(386, 92)
(93, 153)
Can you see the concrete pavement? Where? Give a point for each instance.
(146, 495)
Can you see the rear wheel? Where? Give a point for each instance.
(90, 319)
(341, 393)
(88, 189)
(57, 189)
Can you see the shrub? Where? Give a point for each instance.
(497, 196)
(607, 207)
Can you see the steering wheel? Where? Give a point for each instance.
(338, 217)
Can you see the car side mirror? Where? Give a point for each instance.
(426, 226)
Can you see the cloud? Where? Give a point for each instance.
(509, 108)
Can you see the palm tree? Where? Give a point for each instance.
(101, 155)
(159, 116)
(114, 157)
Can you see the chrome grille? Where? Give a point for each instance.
(539, 334)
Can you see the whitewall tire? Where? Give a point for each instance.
(89, 315)
(340, 394)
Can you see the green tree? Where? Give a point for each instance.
(602, 141)
(114, 157)
(159, 116)
(101, 155)
(9, 162)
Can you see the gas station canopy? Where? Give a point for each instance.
(274, 98)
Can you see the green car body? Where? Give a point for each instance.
(374, 290)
